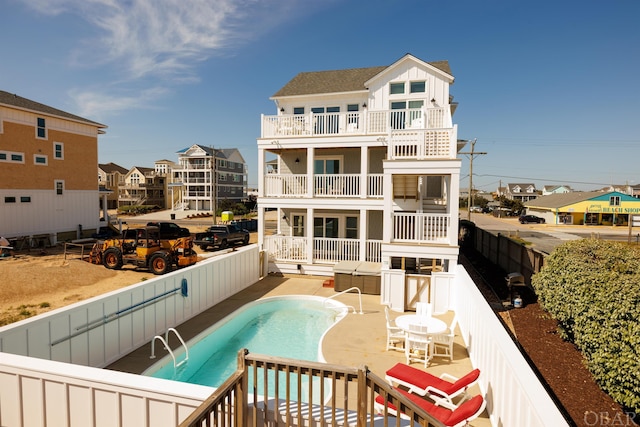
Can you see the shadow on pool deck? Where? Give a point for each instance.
(357, 340)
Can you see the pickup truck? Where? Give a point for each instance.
(221, 236)
(170, 230)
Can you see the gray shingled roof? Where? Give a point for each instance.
(112, 167)
(13, 100)
(335, 81)
(562, 199)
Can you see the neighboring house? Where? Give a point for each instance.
(142, 186)
(367, 170)
(110, 177)
(555, 189)
(521, 192)
(585, 207)
(635, 191)
(48, 162)
(206, 175)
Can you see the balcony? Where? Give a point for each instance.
(330, 186)
(354, 123)
(421, 227)
(325, 250)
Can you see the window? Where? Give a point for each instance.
(17, 158)
(614, 201)
(351, 232)
(41, 129)
(58, 150)
(25, 199)
(325, 227)
(134, 179)
(396, 88)
(59, 187)
(298, 225)
(3, 156)
(417, 87)
(9, 199)
(434, 187)
(298, 110)
(40, 159)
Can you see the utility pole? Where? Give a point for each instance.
(471, 155)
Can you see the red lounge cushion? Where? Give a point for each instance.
(422, 379)
(464, 411)
(442, 414)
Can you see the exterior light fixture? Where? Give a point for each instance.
(282, 110)
(364, 105)
(297, 160)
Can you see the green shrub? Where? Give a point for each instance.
(592, 288)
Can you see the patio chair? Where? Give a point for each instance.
(424, 309)
(443, 343)
(395, 335)
(442, 390)
(417, 344)
(458, 417)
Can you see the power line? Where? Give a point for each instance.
(546, 179)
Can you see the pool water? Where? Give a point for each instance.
(291, 327)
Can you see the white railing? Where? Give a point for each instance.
(326, 250)
(338, 185)
(335, 250)
(286, 248)
(375, 185)
(421, 227)
(283, 185)
(374, 251)
(334, 185)
(421, 144)
(350, 123)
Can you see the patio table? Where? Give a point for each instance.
(434, 326)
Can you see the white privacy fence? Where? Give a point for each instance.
(39, 392)
(515, 396)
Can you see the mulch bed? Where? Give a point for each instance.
(559, 363)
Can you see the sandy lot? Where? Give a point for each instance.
(34, 282)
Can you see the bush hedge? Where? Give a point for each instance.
(592, 288)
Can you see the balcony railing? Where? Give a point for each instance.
(421, 227)
(354, 123)
(338, 185)
(422, 144)
(325, 250)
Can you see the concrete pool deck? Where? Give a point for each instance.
(357, 340)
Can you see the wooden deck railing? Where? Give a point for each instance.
(288, 392)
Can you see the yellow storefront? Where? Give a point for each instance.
(595, 208)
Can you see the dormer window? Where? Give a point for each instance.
(396, 88)
(614, 201)
(417, 87)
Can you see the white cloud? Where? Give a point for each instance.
(99, 104)
(139, 41)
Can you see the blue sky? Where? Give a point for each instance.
(550, 89)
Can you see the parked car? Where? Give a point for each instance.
(170, 230)
(477, 209)
(221, 236)
(526, 219)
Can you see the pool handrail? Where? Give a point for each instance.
(165, 343)
(345, 291)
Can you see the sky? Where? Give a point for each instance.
(549, 90)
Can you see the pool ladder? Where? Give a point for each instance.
(355, 288)
(165, 343)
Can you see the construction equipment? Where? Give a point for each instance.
(143, 248)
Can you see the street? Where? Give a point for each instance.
(545, 237)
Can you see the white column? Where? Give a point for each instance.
(364, 171)
(452, 201)
(387, 217)
(363, 234)
(261, 171)
(261, 226)
(308, 227)
(311, 153)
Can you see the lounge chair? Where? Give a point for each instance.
(442, 390)
(457, 417)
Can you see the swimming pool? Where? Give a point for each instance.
(286, 326)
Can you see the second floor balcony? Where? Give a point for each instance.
(323, 185)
